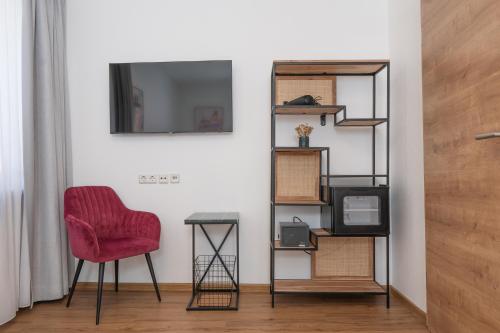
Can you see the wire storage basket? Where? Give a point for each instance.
(214, 283)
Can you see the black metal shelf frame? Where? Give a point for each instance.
(341, 119)
(384, 65)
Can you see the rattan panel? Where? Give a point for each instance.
(297, 175)
(343, 258)
(287, 90)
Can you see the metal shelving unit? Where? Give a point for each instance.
(328, 69)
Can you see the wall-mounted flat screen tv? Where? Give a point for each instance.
(171, 97)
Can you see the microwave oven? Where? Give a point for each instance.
(357, 210)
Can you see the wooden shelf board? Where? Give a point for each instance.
(361, 122)
(300, 203)
(278, 247)
(320, 232)
(356, 176)
(326, 67)
(308, 109)
(327, 286)
(299, 149)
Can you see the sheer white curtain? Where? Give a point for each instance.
(14, 254)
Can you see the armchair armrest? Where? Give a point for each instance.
(142, 224)
(82, 238)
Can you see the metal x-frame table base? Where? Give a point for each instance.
(235, 297)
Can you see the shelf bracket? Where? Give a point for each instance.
(323, 119)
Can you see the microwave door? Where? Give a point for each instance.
(361, 211)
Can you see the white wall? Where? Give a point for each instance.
(228, 172)
(407, 194)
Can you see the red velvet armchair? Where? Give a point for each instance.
(100, 229)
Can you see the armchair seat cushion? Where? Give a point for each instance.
(120, 248)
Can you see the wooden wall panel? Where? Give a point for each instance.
(461, 87)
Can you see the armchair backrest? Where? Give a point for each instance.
(99, 206)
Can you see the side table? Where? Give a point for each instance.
(215, 284)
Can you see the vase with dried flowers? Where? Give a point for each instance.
(303, 132)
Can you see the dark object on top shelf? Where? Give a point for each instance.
(305, 100)
(357, 211)
(294, 234)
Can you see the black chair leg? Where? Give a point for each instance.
(99, 292)
(116, 275)
(75, 280)
(150, 265)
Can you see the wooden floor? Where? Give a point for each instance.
(128, 311)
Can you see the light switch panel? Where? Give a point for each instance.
(175, 178)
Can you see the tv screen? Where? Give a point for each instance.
(171, 97)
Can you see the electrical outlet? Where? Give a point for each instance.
(163, 179)
(175, 178)
(148, 179)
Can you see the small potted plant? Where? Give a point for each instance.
(303, 132)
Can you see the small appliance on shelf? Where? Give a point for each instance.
(357, 210)
(295, 233)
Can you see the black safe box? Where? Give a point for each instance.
(294, 234)
(357, 210)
